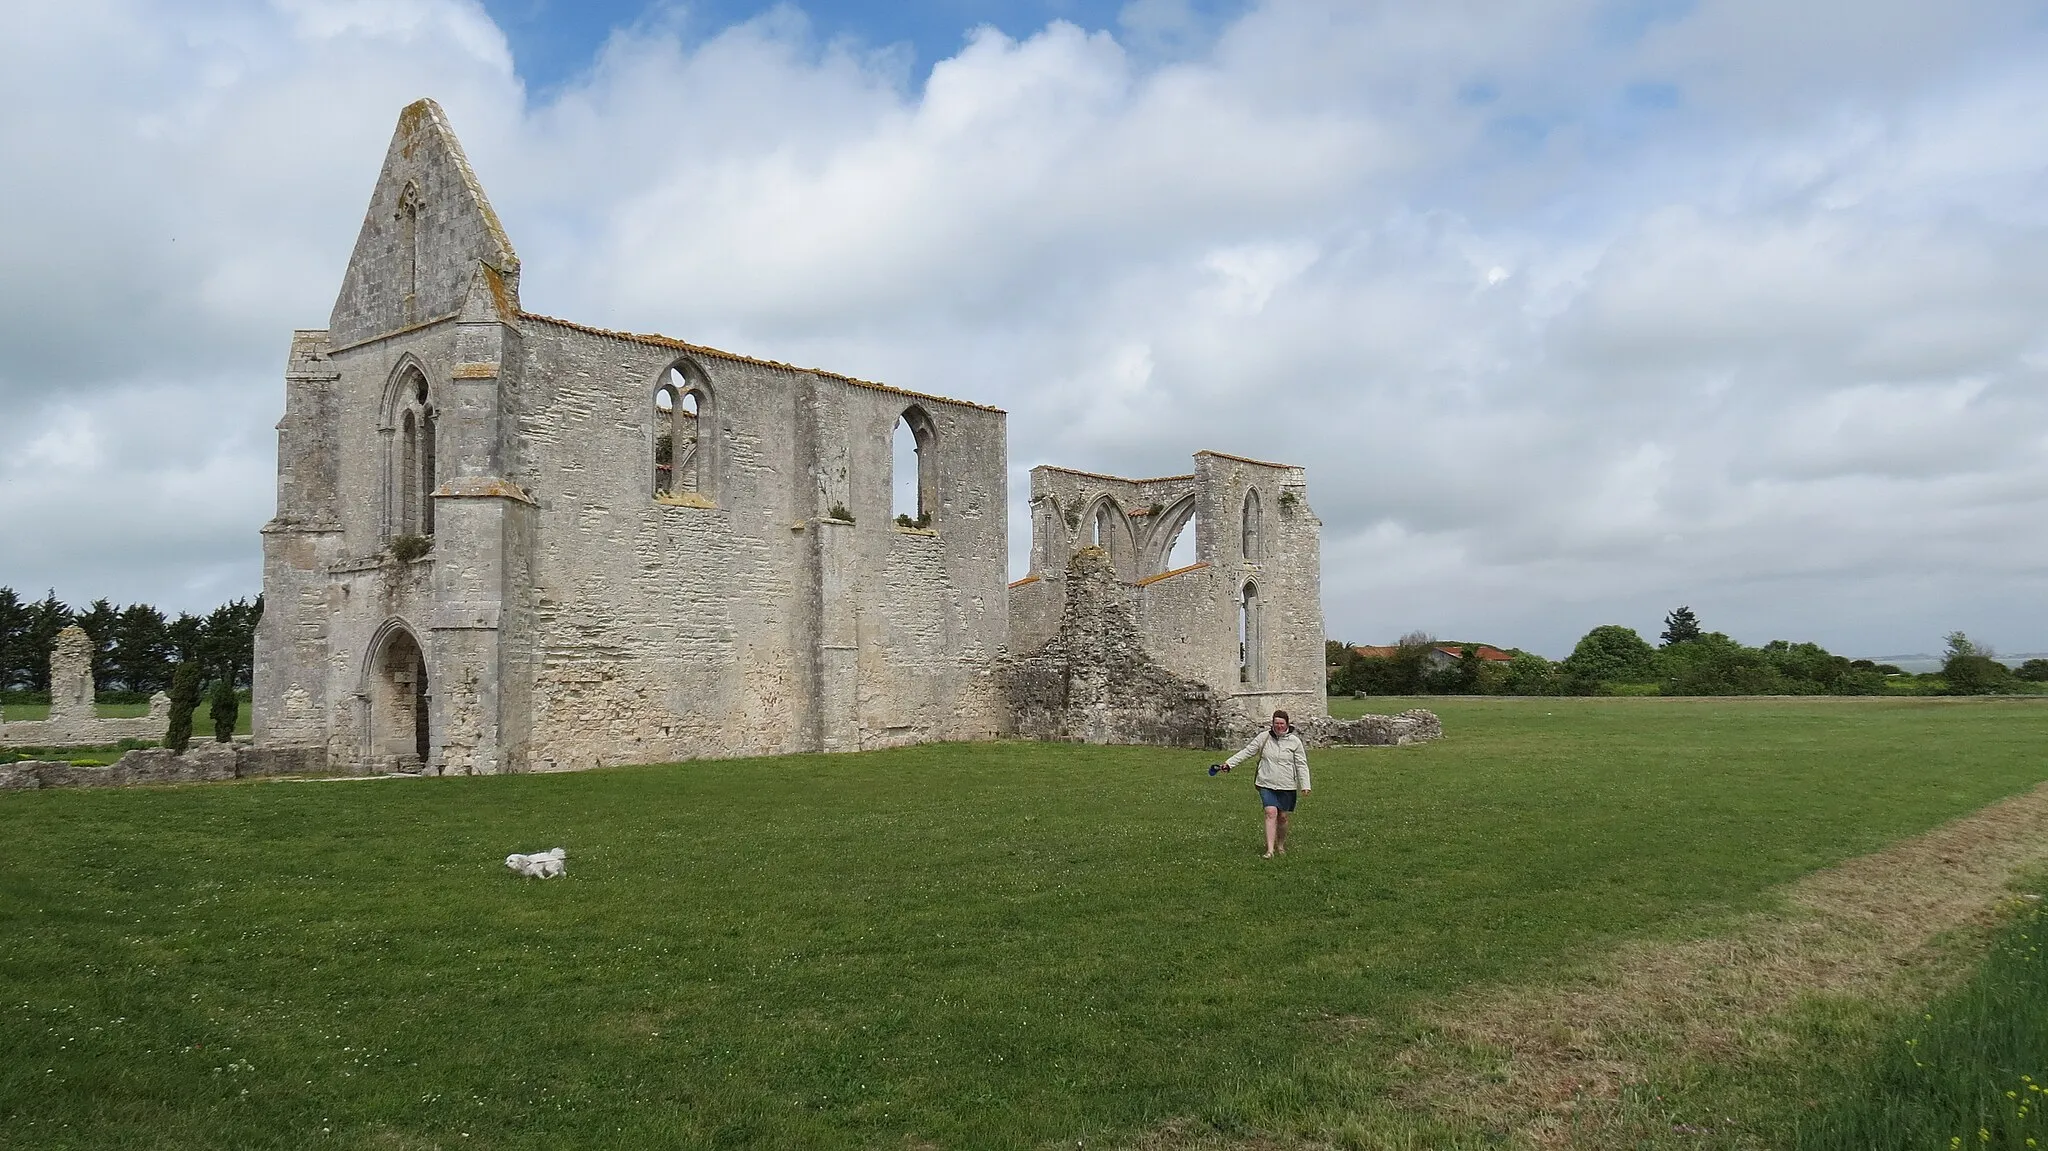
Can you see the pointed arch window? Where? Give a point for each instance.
(1251, 662)
(1181, 551)
(1253, 544)
(683, 462)
(914, 465)
(408, 474)
(413, 473)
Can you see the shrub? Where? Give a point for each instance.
(2033, 671)
(1530, 674)
(184, 701)
(226, 707)
(406, 549)
(839, 512)
(1975, 675)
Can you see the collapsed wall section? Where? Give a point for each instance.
(73, 719)
(1094, 681)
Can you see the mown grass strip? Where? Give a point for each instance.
(1969, 1072)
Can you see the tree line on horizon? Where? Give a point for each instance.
(137, 649)
(1615, 660)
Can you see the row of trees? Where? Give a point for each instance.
(136, 649)
(1688, 661)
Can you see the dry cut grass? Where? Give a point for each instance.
(1547, 1067)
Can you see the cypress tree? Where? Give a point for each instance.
(227, 707)
(184, 700)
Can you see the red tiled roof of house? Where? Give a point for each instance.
(1486, 652)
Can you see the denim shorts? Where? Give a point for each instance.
(1275, 797)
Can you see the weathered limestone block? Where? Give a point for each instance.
(71, 687)
(252, 762)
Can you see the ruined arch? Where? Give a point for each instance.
(406, 425)
(918, 503)
(398, 729)
(1104, 524)
(1168, 526)
(682, 439)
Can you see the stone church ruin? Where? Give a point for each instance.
(506, 542)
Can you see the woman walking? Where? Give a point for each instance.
(1283, 774)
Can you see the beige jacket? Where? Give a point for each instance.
(1283, 760)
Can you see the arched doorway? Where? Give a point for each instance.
(399, 732)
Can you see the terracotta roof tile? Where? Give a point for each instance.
(658, 341)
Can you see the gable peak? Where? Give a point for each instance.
(428, 226)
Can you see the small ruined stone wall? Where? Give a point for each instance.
(1415, 725)
(201, 763)
(73, 722)
(1094, 682)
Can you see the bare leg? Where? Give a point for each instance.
(1272, 831)
(1280, 842)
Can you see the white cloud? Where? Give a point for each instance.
(1573, 317)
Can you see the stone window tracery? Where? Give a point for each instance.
(409, 419)
(683, 439)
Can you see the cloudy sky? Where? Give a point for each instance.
(1575, 310)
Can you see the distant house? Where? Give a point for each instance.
(1442, 655)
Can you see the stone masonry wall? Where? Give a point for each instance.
(1416, 725)
(201, 763)
(752, 620)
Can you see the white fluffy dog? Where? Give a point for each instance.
(546, 865)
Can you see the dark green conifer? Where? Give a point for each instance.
(227, 708)
(184, 701)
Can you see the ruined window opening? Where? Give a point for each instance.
(1251, 526)
(1104, 528)
(664, 440)
(429, 480)
(1250, 661)
(913, 485)
(1181, 552)
(680, 407)
(408, 475)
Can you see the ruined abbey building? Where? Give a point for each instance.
(506, 542)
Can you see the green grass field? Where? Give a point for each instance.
(1002, 945)
(202, 716)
